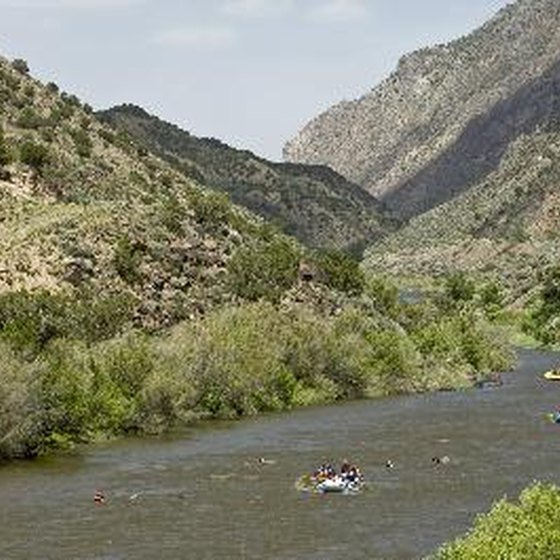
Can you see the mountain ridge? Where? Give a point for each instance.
(314, 203)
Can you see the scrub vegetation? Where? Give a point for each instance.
(543, 317)
(312, 203)
(77, 370)
(527, 530)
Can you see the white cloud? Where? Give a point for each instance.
(211, 37)
(257, 8)
(338, 10)
(66, 4)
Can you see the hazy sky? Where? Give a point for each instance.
(250, 72)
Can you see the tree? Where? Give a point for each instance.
(264, 270)
(20, 65)
(384, 294)
(491, 297)
(544, 321)
(550, 293)
(341, 271)
(526, 530)
(34, 155)
(459, 288)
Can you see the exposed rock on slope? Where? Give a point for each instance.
(313, 203)
(441, 123)
(478, 151)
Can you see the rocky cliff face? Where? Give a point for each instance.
(315, 204)
(444, 119)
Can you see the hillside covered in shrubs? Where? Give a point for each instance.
(133, 299)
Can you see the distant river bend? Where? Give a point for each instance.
(203, 495)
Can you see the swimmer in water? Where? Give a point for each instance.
(99, 498)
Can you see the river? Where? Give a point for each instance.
(203, 495)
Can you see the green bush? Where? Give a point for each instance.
(459, 288)
(441, 339)
(34, 155)
(213, 210)
(30, 320)
(73, 371)
(19, 429)
(20, 65)
(60, 112)
(172, 214)
(234, 359)
(82, 142)
(127, 258)
(86, 393)
(254, 358)
(264, 269)
(393, 363)
(384, 294)
(29, 119)
(5, 155)
(491, 295)
(340, 271)
(463, 339)
(529, 530)
(70, 100)
(544, 316)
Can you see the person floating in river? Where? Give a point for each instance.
(441, 460)
(99, 498)
(353, 474)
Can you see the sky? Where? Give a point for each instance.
(249, 72)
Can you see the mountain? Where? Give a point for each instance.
(448, 115)
(463, 141)
(86, 212)
(507, 225)
(310, 202)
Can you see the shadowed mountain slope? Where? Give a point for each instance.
(313, 203)
(480, 148)
(507, 225)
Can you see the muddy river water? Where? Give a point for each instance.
(203, 495)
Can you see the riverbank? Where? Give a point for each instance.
(238, 361)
